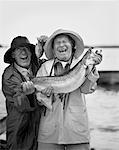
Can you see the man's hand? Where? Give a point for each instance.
(92, 58)
(28, 87)
(47, 91)
(39, 46)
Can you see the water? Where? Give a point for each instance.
(103, 112)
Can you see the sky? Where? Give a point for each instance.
(97, 22)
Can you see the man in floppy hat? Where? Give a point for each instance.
(23, 111)
(65, 127)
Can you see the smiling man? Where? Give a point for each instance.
(62, 46)
(65, 126)
(22, 108)
(22, 55)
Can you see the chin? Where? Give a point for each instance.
(65, 58)
(25, 65)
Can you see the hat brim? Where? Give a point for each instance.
(8, 55)
(79, 45)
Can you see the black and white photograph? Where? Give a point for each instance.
(59, 75)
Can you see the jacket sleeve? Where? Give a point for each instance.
(11, 87)
(90, 84)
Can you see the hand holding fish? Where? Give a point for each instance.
(47, 91)
(28, 87)
(39, 46)
(92, 58)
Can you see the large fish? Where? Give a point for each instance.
(71, 80)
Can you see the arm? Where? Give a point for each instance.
(92, 75)
(90, 84)
(12, 89)
(39, 48)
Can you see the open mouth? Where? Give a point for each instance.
(62, 49)
(24, 58)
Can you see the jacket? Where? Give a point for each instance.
(67, 124)
(23, 112)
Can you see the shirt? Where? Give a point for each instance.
(27, 73)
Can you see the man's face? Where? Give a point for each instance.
(62, 48)
(22, 56)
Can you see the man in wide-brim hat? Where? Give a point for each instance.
(21, 103)
(77, 42)
(65, 124)
(19, 41)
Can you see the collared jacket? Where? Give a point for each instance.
(67, 124)
(23, 111)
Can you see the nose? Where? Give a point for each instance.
(61, 44)
(24, 51)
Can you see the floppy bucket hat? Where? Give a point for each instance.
(79, 45)
(17, 42)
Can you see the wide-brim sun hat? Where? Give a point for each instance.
(79, 45)
(19, 41)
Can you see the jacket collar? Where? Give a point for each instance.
(21, 69)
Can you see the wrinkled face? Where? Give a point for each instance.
(62, 48)
(22, 56)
